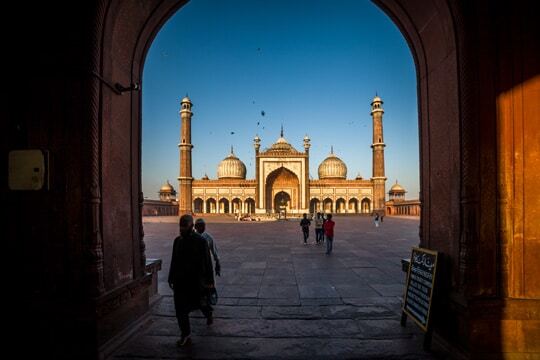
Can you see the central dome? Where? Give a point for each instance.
(282, 145)
(332, 168)
(231, 168)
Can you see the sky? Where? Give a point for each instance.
(251, 66)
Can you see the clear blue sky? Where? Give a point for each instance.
(313, 66)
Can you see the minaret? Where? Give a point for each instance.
(185, 179)
(257, 146)
(307, 145)
(379, 180)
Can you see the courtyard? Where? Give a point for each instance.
(279, 298)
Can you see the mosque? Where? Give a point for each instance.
(282, 182)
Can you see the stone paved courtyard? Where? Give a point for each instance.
(282, 299)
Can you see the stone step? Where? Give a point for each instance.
(163, 347)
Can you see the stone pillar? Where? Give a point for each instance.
(185, 179)
(378, 176)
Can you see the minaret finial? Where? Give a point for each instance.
(331, 149)
(281, 130)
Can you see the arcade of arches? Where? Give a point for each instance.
(478, 72)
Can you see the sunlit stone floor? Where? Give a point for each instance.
(282, 299)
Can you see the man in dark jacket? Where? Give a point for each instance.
(190, 277)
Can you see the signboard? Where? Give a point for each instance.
(419, 286)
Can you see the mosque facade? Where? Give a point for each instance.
(282, 182)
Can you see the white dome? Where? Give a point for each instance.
(396, 188)
(332, 168)
(231, 168)
(166, 188)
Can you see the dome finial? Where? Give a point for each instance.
(331, 149)
(281, 134)
(232, 150)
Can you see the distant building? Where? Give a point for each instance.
(397, 205)
(281, 180)
(165, 206)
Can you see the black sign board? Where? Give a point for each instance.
(419, 286)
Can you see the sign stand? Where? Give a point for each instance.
(419, 287)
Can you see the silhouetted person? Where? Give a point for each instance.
(190, 277)
(329, 233)
(200, 227)
(376, 219)
(305, 223)
(319, 232)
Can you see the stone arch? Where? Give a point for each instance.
(282, 180)
(224, 206)
(314, 205)
(341, 205)
(456, 215)
(282, 201)
(249, 205)
(211, 206)
(353, 205)
(328, 205)
(365, 206)
(236, 205)
(198, 205)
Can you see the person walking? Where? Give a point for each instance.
(305, 223)
(319, 234)
(376, 220)
(329, 233)
(323, 217)
(190, 277)
(200, 227)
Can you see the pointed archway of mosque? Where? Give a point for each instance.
(282, 181)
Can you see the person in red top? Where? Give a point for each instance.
(329, 233)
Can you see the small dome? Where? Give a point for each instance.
(396, 188)
(231, 168)
(282, 145)
(359, 177)
(377, 99)
(306, 138)
(166, 188)
(186, 99)
(205, 177)
(332, 168)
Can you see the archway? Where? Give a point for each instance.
(223, 206)
(249, 206)
(282, 180)
(353, 205)
(365, 205)
(282, 202)
(328, 205)
(462, 176)
(198, 204)
(340, 206)
(211, 206)
(236, 205)
(314, 205)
